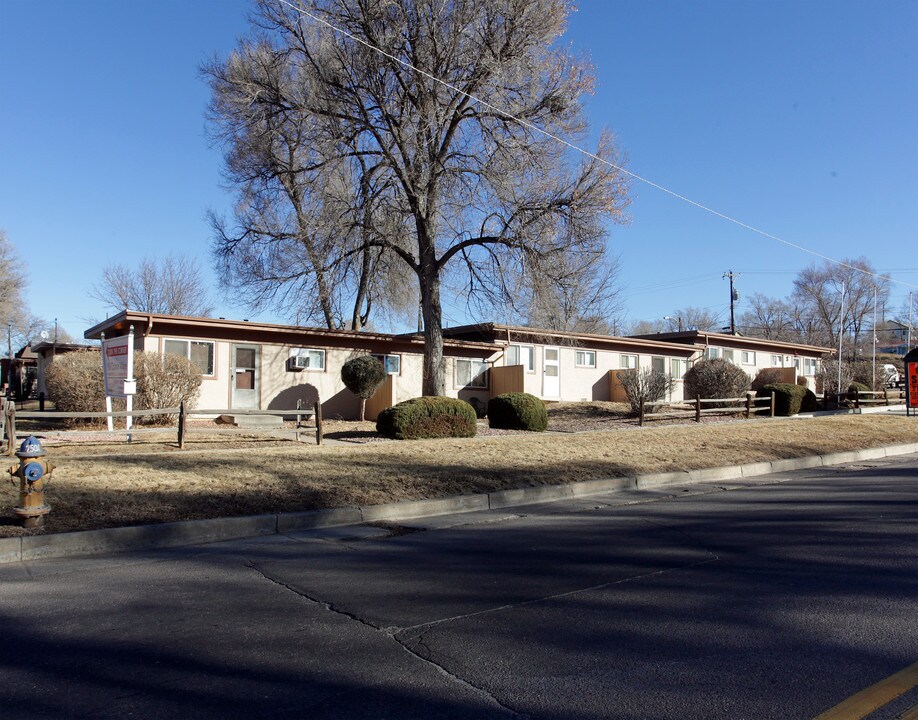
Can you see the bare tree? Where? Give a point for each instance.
(12, 283)
(462, 184)
(172, 285)
(818, 292)
(692, 318)
(769, 318)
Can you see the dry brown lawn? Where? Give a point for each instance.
(107, 485)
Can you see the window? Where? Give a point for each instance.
(748, 358)
(392, 363)
(521, 355)
(677, 368)
(586, 358)
(628, 362)
(658, 364)
(310, 358)
(777, 360)
(728, 356)
(471, 373)
(200, 352)
(711, 353)
(809, 366)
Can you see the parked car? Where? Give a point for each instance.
(891, 376)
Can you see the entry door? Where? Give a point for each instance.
(551, 373)
(245, 377)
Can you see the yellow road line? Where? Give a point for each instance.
(876, 696)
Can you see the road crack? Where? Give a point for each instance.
(392, 633)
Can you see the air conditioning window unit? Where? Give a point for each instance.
(298, 362)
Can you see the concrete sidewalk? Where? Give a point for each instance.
(196, 532)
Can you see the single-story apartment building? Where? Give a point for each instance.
(752, 354)
(249, 365)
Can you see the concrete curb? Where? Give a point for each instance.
(199, 532)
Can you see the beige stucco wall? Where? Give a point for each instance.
(584, 383)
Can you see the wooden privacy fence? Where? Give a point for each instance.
(9, 416)
(383, 398)
(744, 405)
(506, 379)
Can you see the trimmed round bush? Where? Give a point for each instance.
(363, 375)
(715, 378)
(809, 402)
(428, 417)
(517, 411)
(788, 397)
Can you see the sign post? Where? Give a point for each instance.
(118, 373)
(911, 382)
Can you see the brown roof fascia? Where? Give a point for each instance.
(254, 332)
(704, 338)
(504, 334)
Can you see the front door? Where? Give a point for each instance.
(551, 373)
(245, 377)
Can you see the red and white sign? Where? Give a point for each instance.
(911, 382)
(117, 364)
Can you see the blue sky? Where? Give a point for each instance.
(798, 117)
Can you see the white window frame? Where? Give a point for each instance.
(748, 357)
(711, 353)
(529, 350)
(810, 366)
(307, 352)
(677, 368)
(477, 380)
(187, 354)
(384, 359)
(590, 360)
(777, 361)
(729, 354)
(624, 362)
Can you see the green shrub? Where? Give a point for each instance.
(856, 387)
(788, 397)
(517, 411)
(809, 403)
(428, 417)
(363, 375)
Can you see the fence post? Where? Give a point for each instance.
(748, 405)
(181, 425)
(772, 403)
(641, 416)
(41, 402)
(318, 407)
(11, 428)
(886, 395)
(857, 398)
(2, 417)
(698, 408)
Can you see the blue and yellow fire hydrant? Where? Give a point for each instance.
(32, 472)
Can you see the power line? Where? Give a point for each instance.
(586, 153)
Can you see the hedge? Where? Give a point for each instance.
(788, 397)
(428, 417)
(517, 411)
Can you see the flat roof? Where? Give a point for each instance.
(702, 337)
(221, 328)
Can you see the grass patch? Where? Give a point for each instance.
(149, 482)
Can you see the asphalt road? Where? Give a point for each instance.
(774, 597)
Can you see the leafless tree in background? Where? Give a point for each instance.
(818, 293)
(451, 185)
(693, 318)
(768, 318)
(172, 285)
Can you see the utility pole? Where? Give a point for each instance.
(841, 331)
(908, 344)
(874, 373)
(734, 296)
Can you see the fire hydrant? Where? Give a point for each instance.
(32, 472)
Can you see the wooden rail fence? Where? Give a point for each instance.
(9, 415)
(749, 402)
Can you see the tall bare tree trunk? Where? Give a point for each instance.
(434, 377)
